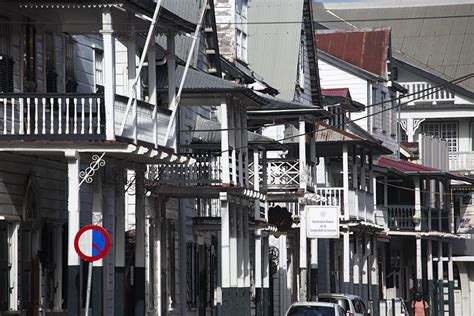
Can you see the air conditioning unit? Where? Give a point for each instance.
(6, 74)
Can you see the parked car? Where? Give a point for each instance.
(315, 309)
(352, 304)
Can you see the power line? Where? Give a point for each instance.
(458, 80)
(404, 96)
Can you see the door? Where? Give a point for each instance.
(4, 267)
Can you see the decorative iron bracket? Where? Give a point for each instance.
(88, 174)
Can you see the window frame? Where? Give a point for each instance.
(5, 36)
(29, 56)
(442, 132)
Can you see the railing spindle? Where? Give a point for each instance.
(43, 130)
(51, 130)
(12, 100)
(36, 115)
(28, 115)
(75, 115)
(60, 116)
(5, 116)
(67, 115)
(83, 102)
(22, 114)
(90, 115)
(98, 116)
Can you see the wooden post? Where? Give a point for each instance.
(73, 293)
(109, 73)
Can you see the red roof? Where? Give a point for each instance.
(403, 165)
(337, 92)
(366, 49)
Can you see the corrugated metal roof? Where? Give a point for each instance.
(273, 48)
(404, 166)
(366, 49)
(439, 36)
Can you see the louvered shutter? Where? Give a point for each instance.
(51, 81)
(4, 267)
(6, 74)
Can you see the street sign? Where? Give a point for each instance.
(92, 243)
(322, 221)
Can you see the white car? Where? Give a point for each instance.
(352, 304)
(315, 309)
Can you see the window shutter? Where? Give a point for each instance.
(4, 267)
(6, 74)
(51, 81)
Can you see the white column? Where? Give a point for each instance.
(345, 180)
(152, 93)
(347, 262)
(246, 242)
(119, 244)
(410, 130)
(73, 261)
(440, 279)
(225, 240)
(233, 253)
(232, 141)
(171, 65)
(133, 91)
(450, 278)
(258, 271)
(245, 150)
(374, 276)
(139, 270)
(109, 73)
(429, 270)
(225, 142)
(302, 153)
(419, 260)
(356, 257)
(303, 256)
(157, 260)
(365, 267)
(238, 146)
(417, 215)
(363, 186)
(13, 275)
(240, 245)
(256, 181)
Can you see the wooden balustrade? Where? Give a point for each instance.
(45, 116)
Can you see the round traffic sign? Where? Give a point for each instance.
(92, 242)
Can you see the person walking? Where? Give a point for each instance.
(419, 305)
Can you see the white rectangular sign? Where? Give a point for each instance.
(322, 221)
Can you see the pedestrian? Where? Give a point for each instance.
(419, 305)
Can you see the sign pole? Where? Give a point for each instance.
(89, 286)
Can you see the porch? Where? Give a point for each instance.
(53, 116)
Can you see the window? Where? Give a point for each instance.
(51, 75)
(300, 79)
(29, 57)
(5, 36)
(241, 7)
(444, 130)
(99, 69)
(383, 114)
(71, 84)
(394, 115)
(372, 110)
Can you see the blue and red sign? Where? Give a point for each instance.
(92, 242)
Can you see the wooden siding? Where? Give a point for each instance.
(50, 178)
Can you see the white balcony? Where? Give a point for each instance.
(41, 116)
(284, 174)
(425, 92)
(461, 161)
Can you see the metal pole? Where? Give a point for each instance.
(89, 286)
(173, 107)
(151, 31)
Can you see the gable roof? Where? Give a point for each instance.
(366, 49)
(438, 35)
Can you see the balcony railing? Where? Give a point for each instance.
(43, 116)
(402, 217)
(207, 170)
(283, 174)
(76, 116)
(426, 92)
(461, 161)
(361, 205)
